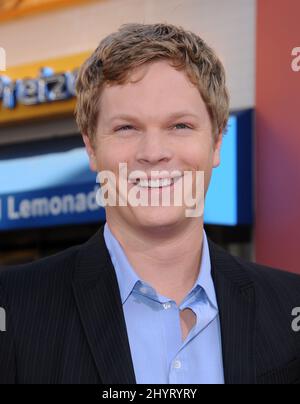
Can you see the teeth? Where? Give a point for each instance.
(166, 182)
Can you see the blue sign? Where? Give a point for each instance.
(51, 207)
(48, 190)
(229, 200)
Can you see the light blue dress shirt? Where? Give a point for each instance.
(153, 325)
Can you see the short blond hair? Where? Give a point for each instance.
(134, 45)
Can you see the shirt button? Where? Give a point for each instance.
(143, 290)
(167, 306)
(177, 364)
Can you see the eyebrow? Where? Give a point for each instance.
(174, 115)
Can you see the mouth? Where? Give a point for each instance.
(155, 183)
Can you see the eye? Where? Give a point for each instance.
(182, 126)
(124, 128)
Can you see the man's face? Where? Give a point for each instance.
(157, 123)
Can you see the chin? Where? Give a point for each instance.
(158, 217)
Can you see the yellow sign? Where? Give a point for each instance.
(10, 9)
(39, 90)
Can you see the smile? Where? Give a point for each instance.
(156, 183)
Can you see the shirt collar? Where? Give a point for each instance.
(127, 277)
(205, 280)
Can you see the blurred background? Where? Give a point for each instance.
(47, 193)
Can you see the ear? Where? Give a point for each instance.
(217, 150)
(90, 151)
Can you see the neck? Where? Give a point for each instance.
(167, 259)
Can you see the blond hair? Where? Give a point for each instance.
(134, 45)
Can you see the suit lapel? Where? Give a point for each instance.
(99, 303)
(236, 300)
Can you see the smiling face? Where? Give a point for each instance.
(156, 122)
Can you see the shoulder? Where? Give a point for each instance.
(52, 276)
(275, 278)
(55, 268)
(268, 281)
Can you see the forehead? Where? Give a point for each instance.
(156, 86)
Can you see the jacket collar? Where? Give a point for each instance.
(237, 306)
(99, 303)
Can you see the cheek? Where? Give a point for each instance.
(199, 157)
(111, 155)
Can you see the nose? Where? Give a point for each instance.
(153, 149)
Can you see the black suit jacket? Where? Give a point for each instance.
(65, 322)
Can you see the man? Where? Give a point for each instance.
(149, 299)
